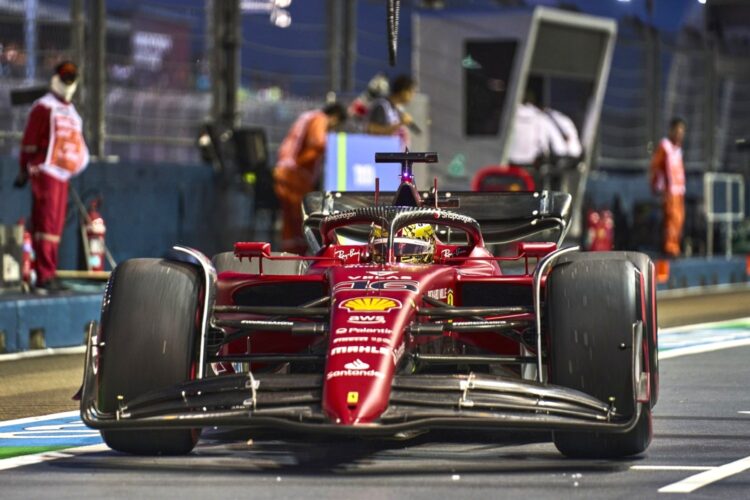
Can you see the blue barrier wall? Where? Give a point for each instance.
(61, 319)
(147, 208)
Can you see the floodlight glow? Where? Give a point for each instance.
(281, 18)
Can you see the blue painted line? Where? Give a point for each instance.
(56, 430)
(700, 337)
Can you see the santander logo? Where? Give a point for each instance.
(357, 365)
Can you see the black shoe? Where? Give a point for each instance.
(50, 287)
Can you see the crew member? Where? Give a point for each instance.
(544, 141)
(359, 109)
(667, 176)
(387, 115)
(52, 151)
(299, 167)
(565, 145)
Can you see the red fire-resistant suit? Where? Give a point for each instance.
(668, 178)
(52, 151)
(297, 172)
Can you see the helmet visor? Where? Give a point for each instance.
(402, 248)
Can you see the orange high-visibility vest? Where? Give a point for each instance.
(667, 169)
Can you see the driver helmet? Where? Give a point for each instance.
(413, 244)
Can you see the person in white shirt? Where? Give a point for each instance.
(544, 141)
(530, 136)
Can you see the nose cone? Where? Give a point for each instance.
(365, 344)
(358, 394)
(371, 309)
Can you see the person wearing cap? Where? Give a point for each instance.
(53, 151)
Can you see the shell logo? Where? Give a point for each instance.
(370, 304)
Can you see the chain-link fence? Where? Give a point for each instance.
(158, 77)
(655, 78)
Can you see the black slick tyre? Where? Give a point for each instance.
(647, 308)
(591, 308)
(150, 328)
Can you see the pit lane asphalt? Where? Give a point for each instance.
(698, 425)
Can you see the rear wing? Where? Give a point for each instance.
(503, 217)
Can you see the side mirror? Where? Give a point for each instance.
(252, 249)
(536, 249)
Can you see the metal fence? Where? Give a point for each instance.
(159, 91)
(156, 126)
(655, 78)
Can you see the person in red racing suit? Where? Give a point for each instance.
(52, 151)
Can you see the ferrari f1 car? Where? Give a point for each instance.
(399, 320)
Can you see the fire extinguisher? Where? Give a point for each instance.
(28, 257)
(95, 231)
(600, 231)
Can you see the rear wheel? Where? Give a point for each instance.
(591, 308)
(150, 328)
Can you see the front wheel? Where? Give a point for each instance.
(592, 307)
(150, 328)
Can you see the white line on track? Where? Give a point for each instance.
(671, 467)
(692, 483)
(701, 348)
(37, 353)
(37, 458)
(51, 416)
(699, 326)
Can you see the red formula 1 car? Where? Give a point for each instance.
(400, 321)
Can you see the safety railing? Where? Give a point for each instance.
(724, 201)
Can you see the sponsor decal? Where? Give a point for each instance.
(454, 216)
(376, 285)
(341, 254)
(363, 330)
(446, 253)
(382, 278)
(354, 373)
(360, 349)
(350, 339)
(397, 353)
(370, 304)
(346, 340)
(357, 364)
(439, 293)
(352, 398)
(383, 273)
(340, 216)
(449, 298)
(360, 319)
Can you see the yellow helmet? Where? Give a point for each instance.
(413, 244)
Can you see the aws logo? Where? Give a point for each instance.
(370, 304)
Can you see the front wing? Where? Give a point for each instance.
(417, 403)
